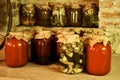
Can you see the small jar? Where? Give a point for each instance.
(58, 16)
(74, 16)
(27, 15)
(16, 51)
(71, 53)
(98, 55)
(90, 15)
(43, 15)
(44, 48)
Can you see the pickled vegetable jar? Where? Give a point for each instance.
(27, 15)
(74, 16)
(44, 48)
(71, 53)
(90, 15)
(43, 15)
(16, 51)
(58, 18)
(98, 56)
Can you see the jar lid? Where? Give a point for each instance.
(75, 6)
(42, 6)
(28, 7)
(66, 37)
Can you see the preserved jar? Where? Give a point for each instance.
(58, 16)
(90, 15)
(74, 16)
(43, 15)
(16, 51)
(44, 48)
(71, 53)
(98, 56)
(27, 14)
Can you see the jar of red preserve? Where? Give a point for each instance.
(43, 48)
(98, 55)
(16, 50)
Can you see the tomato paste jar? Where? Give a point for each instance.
(98, 55)
(70, 49)
(74, 16)
(16, 50)
(27, 15)
(43, 48)
(43, 14)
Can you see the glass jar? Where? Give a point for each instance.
(43, 15)
(71, 53)
(27, 15)
(44, 48)
(98, 56)
(90, 15)
(74, 16)
(16, 52)
(58, 18)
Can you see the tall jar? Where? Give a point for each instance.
(58, 16)
(27, 15)
(16, 50)
(74, 16)
(71, 53)
(44, 48)
(90, 15)
(98, 55)
(43, 14)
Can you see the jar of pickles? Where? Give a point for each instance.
(74, 16)
(58, 16)
(98, 55)
(70, 49)
(43, 15)
(90, 15)
(27, 15)
(43, 48)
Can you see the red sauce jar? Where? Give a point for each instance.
(16, 52)
(44, 48)
(98, 57)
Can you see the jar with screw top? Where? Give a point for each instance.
(58, 16)
(27, 14)
(70, 49)
(90, 15)
(74, 15)
(43, 14)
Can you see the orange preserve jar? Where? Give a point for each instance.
(16, 50)
(98, 55)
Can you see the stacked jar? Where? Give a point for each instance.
(70, 49)
(27, 15)
(43, 14)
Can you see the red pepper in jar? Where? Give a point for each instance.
(98, 58)
(16, 52)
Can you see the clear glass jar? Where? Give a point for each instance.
(71, 53)
(43, 14)
(44, 48)
(27, 15)
(58, 18)
(16, 52)
(98, 56)
(90, 15)
(74, 16)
